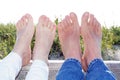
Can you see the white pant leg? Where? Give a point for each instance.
(38, 71)
(10, 66)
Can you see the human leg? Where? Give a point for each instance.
(21, 54)
(97, 70)
(25, 31)
(10, 66)
(68, 31)
(45, 33)
(92, 59)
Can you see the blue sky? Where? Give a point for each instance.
(106, 11)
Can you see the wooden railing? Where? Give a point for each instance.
(54, 66)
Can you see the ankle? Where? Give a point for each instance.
(17, 51)
(41, 59)
(73, 55)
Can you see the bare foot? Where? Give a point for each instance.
(92, 34)
(25, 31)
(45, 33)
(68, 31)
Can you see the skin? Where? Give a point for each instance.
(25, 31)
(92, 35)
(68, 31)
(45, 34)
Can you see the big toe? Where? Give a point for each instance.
(85, 18)
(29, 17)
(73, 17)
(42, 20)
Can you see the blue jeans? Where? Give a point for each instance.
(72, 70)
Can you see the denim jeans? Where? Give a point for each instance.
(72, 70)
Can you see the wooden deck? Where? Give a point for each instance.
(54, 66)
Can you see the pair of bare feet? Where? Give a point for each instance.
(44, 36)
(69, 34)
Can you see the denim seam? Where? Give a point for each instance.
(74, 60)
(93, 62)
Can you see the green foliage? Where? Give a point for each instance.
(56, 44)
(110, 37)
(116, 33)
(7, 38)
(107, 38)
(81, 44)
(56, 21)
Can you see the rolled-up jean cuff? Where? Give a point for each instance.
(97, 70)
(70, 70)
(97, 64)
(71, 61)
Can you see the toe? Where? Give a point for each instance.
(73, 16)
(60, 27)
(91, 20)
(95, 22)
(18, 25)
(85, 18)
(42, 20)
(29, 17)
(21, 24)
(46, 22)
(99, 30)
(50, 25)
(53, 28)
(64, 23)
(68, 21)
(24, 21)
(96, 26)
